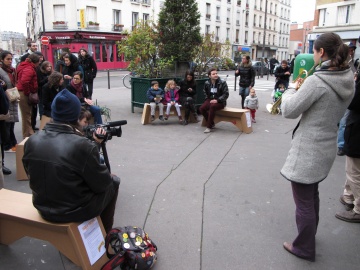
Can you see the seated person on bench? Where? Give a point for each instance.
(68, 182)
(216, 93)
(78, 88)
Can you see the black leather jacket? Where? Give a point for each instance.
(67, 180)
(222, 91)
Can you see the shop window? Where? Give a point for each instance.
(104, 53)
(97, 53)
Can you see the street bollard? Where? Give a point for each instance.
(108, 75)
(235, 84)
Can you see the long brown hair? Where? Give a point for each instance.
(335, 49)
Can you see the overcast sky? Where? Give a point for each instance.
(13, 17)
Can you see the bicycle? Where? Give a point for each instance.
(127, 80)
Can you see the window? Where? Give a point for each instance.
(218, 13)
(207, 29)
(91, 14)
(217, 33)
(59, 13)
(237, 36)
(208, 9)
(228, 15)
(116, 16)
(227, 33)
(135, 18)
(344, 14)
(246, 37)
(322, 17)
(146, 17)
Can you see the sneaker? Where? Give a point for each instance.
(180, 118)
(213, 126)
(253, 120)
(208, 130)
(348, 206)
(166, 117)
(340, 152)
(161, 118)
(152, 118)
(349, 216)
(185, 122)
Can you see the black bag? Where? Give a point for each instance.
(132, 247)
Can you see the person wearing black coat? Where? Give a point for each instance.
(282, 75)
(187, 95)
(50, 90)
(90, 69)
(247, 78)
(43, 72)
(70, 66)
(4, 109)
(67, 179)
(351, 195)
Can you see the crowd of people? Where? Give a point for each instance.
(321, 101)
(31, 78)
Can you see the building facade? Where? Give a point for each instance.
(340, 17)
(13, 41)
(258, 28)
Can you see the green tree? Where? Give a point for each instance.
(140, 47)
(179, 29)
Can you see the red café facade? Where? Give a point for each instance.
(101, 46)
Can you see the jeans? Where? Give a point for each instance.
(153, 106)
(95, 111)
(244, 92)
(307, 203)
(341, 130)
(208, 111)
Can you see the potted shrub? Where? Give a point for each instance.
(140, 48)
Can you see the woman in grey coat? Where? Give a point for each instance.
(321, 102)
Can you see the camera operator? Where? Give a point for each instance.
(68, 181)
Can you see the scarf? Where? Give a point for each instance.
(78, 87)
(11, 72)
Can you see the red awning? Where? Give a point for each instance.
(82, 35)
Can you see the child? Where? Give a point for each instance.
(155, 95)
(84, 118)
(277, 93)
(172, 98)
(252, 103)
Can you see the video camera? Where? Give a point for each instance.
(111, 128)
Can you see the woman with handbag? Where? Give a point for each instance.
(8, 74)
(27, 86)
(90, 69)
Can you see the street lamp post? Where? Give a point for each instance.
(263, 46)
(306, 30)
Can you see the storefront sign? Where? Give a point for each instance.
(64, 37)
(96, 37)
(82, 18)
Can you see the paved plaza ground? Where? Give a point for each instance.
(210, 201)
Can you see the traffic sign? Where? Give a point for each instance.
(45, 40)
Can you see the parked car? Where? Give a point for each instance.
(257, 67)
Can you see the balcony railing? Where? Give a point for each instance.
(135, 1)
(146, 2)
(117, 27)
(60, 25)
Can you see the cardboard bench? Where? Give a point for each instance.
(19, 218)
(20, 171)
(239, 117)
(145, 119)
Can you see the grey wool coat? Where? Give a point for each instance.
(321, 101)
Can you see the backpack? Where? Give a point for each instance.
(132, 247)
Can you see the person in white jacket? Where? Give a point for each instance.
(252, 103)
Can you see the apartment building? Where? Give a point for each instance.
(13, 41)
(338, 16)
(98, 24)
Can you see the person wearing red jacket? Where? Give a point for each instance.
(26, 83)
